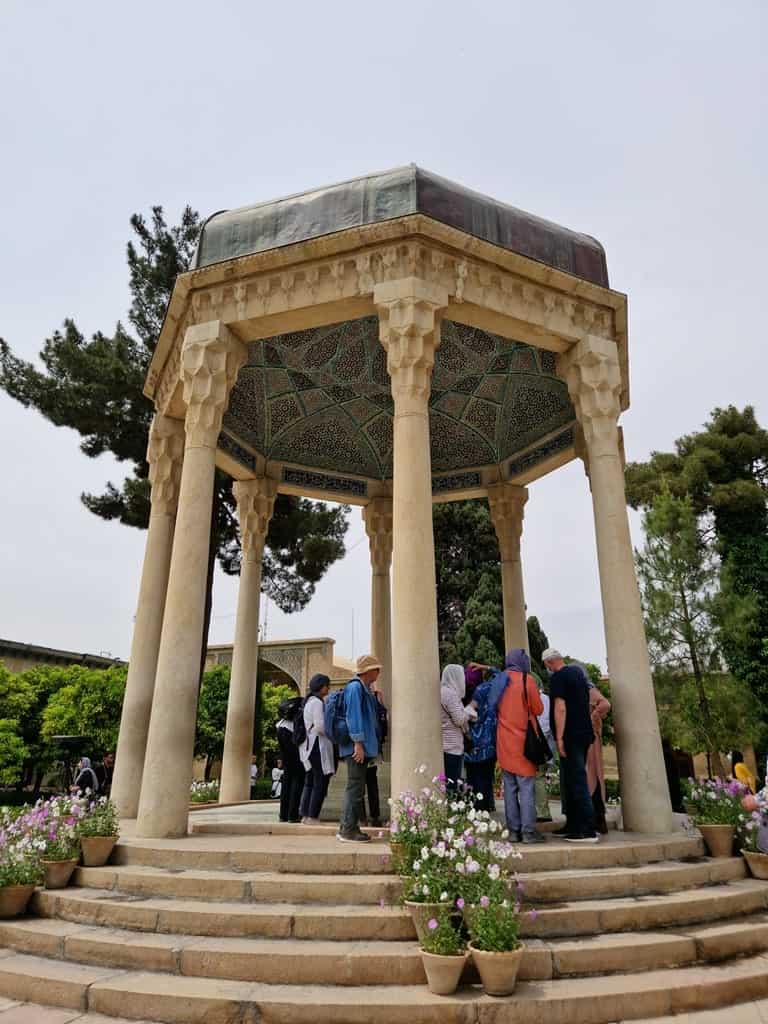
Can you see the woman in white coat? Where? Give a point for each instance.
(454, 721)
(316, 752)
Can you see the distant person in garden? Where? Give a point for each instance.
(599, 709)
(277, 779)
(316, 751)
(86, 777)
(293, 769)
(515, 700)
(254, 774)
(571, 723)
(480, 759)
(362, 747)
(455, 720)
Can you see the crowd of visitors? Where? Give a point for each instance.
(489, 717)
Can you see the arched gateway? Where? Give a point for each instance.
(390, 341)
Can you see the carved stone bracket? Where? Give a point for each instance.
(211, 358)
(255, 504)
(592, 373)
(377, 516)
(409, 330)
(507, 505)
(165, 453)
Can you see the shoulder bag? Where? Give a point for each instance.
(535, 749)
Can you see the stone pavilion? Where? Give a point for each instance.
(390, 342)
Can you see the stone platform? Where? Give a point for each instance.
(284, 924)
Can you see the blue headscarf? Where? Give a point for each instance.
(518, 660)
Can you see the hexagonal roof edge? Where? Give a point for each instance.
(387, 195)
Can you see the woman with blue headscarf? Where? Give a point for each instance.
(515, 699)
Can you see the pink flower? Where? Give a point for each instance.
(460, 903)
(532, 915)
(484, 901)
(432, 924)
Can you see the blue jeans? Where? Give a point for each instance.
(520, 802)
(573, 780)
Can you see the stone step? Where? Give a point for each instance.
(353, 922)
(374, 962)
(268, 886)
(324, 855)
(175, 999)
(273, 886)
(14, 1012)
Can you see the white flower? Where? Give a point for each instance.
(443, 897)
(425, 890)
(494, 871)
(421, 769)
(417, 865)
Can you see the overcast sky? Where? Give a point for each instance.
(641, 124)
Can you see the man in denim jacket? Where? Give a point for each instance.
(362, 722)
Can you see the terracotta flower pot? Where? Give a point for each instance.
(96, 850)
(14, 899)
(443, 972)
(421, 913)
(57, 873)
(498, 971)
(757, 863)
(718, 838)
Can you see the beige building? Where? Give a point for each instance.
(291, 661)
(389, 342)
(19, 657)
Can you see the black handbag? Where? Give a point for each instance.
(535, 749)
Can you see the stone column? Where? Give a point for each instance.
(164, 455)
(377, 515)
(409, 330)
(507, 505)
(210, 360)
(255, 503)
(591, 370)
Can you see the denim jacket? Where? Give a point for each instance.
(362, 719)
(483, 729)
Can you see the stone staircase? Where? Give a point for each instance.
(294, 927)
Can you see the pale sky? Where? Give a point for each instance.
(643, 125)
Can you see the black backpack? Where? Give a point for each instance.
(299, 726)
(289, 708)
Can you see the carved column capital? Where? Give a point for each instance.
(255, 505)
(377, 516)
(211, 358)
(591, 371)
(507, 505)
(409, 330)
(165, 453)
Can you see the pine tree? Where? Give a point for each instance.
(95, 387)
(724, 470)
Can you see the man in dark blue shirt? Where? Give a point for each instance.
(572, 731)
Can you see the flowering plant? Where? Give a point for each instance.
(714, 801)
(20, 850)
(99, 819)
(442, 936)
(204, 792)
(494, 926)
(753, 823)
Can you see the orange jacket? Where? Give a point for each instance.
(512, 722)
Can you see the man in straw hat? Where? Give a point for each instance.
(363, 745)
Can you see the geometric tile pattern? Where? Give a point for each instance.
(320, 398)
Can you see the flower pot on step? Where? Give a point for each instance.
(421, 913)
(96, 850)
(718, 839)
(757, 863)
(498, 971)
(443, 972)
(57, 873)
(14, 899)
